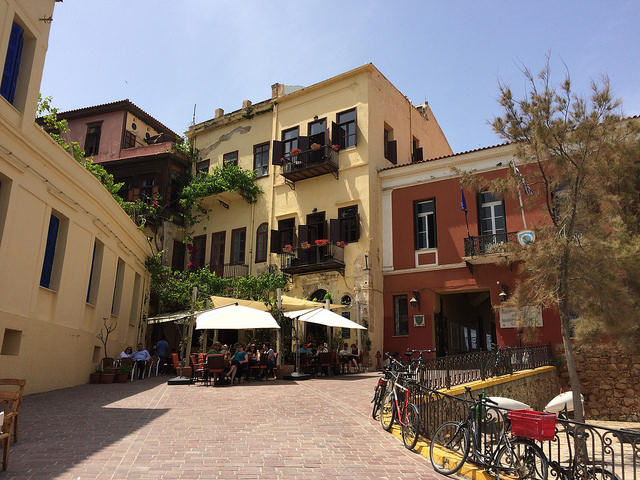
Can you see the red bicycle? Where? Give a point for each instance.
(396, 407)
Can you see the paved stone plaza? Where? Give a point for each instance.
(317, 429)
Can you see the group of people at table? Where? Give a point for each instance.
(347, 357)
(241, 360)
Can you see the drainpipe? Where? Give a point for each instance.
(272, 217)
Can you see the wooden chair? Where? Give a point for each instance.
(19, 383)
(324, 361)
(198, 369)
(216, 366)
(11, 401)
(262, 366)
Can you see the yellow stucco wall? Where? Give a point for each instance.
(48, 335)
(377, 102)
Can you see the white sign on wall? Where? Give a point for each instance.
(531, 316)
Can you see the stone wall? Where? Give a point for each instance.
(610, 380)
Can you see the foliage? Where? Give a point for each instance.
(108, 326)
(184, 147)
(586, 257)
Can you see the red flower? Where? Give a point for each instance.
(191, 265)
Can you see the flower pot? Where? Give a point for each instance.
(122, 377)
(95, 377)
(107, 377)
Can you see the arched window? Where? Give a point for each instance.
(261, 242)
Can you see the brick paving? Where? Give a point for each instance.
(317, 429)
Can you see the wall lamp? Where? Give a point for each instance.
(504, 294)
(415, 299)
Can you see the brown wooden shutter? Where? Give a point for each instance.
(303, 233)
(334, 230)
(325, 230)
(327, 136)
(335, 134)
(393, 151)
(276, 153)
(303, 143)
(275, 242)
(417, 155)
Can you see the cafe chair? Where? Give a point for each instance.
(19, 384)
(198, 369)
(11, 403)
(324, 362)
(216, 365)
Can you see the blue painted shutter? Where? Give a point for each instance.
(49, 252)
(12, 63)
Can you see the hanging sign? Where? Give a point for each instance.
(525, 237)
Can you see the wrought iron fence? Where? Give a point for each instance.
(312, 255)
(609, 453)
(445, 372)
(230, 270)
(486, 244)
(310, 158)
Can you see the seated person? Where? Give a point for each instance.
(345, 356)
(216, 349)
(271, 360)
(355, 356)
(141, 357)
(127, 353)
(239, 362)
(322, 348)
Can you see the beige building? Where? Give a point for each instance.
(316, 151)
(69, 255)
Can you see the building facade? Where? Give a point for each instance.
(69, 255)
(444, 278)
(316, 152)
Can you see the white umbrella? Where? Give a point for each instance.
(234, 317)
(323, 316)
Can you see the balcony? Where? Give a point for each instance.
(309, 164)
(486, 248)
(313, 259)
(230, 270)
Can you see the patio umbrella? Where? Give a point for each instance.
(323, 316)
(234, 317)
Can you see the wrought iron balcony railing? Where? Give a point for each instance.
(487, 244)
(310, 163)
(230, 270)
(313, 259)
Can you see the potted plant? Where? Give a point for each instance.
(123, 374)
(315, 147)
(95, 377)
(305, 245)
(288, 248)
(108, 376)
(335, 147)
(321, 242)
(295, 152)
(341, 244)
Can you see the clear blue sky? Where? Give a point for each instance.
(167, 56)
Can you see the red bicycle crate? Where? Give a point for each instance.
(531, 424)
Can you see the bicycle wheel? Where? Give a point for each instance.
(411, 430)
(387, 411)
(522, 459)
(376, 403)
(449, 447)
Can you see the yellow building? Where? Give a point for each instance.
(317, 151)
(69, 255)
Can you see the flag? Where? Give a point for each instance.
(525, 185)
(463, 202)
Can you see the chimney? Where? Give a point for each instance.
(246, 104)
(277, 90)
(219, 113)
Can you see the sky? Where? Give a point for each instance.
(167, 56)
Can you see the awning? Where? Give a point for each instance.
(323, 316)
(234, 317)
(222, 301)
(169, 317)
(288, 303)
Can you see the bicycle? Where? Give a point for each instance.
(406, 415)
(417, 366)
(381, 387)
(501, 364)
(515, 457)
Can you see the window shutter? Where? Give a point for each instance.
(355, 126)
(276, 153)
(417, 155)
(12, 63)
(336, 134)
(325, 230)
(275, 242)
(303, 143)
(393, 151)
(357, 220)
(327, 136)
(303, 233)
(334, 230)
(49, 252)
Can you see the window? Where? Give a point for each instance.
(261, 242)
(117, 287)
(135, 300)
(491, 214)
(238, 240)
(129, 139)
(203, 166)
(216, 260)
(416, 150)
(96, 269)
(261, 159)
(92, 140)
(198, 250)
(349, 223)
(12, 63)
(287, 229)
(230, 158)
(148, 188)
(317, 131)
(54, 251)
(177, 259)
(346, 332)
(289, 140)
(400, 315)
(347, 126)
(425, 224)
(390, 145)
(11, 342)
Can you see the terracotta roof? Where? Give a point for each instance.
(445, 156)
(125, 104)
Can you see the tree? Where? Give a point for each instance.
(586, 258)
(108, 326)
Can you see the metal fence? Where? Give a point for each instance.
(445, 372)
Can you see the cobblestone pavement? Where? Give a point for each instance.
(317, 429)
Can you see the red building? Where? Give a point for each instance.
(442, 276)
